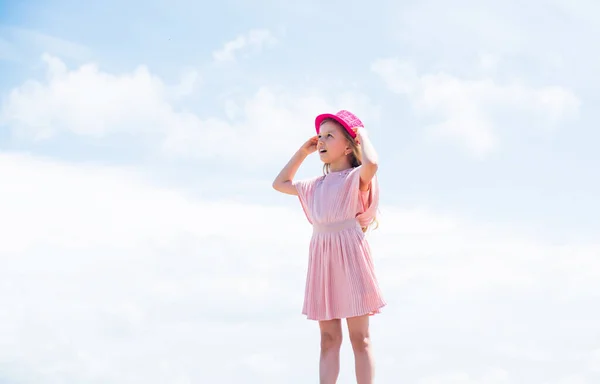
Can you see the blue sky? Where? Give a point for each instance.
(538, 173)
(130, 131)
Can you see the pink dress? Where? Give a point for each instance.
(340, 281)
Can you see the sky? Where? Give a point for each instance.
(141, 240)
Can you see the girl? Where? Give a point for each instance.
(341, 205)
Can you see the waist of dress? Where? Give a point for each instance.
(335, 226)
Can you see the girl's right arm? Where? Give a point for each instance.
(283, 181)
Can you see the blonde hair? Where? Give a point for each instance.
(355, 161)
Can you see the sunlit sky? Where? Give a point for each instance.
(141, 240)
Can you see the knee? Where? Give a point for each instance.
(331, 341)
(360, 341)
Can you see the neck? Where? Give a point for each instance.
(339, 165)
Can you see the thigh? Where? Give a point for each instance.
(331, 328)
(358, 326)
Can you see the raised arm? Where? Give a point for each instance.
(283, 181)
(369, 158)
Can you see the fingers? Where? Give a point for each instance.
(312, 141)
(355, 130)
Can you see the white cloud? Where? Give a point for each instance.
(106, 277)
(491, 376)
(575, 379)
(86, 101)
(488, 62)
(100, 259)
(189, 81)
(254, 40)
(270, 124)
(594, 361)
(468, 110)
(89, 102)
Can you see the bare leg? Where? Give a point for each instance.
(358, 328)
(331, 342)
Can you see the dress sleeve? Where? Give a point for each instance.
(368, 200)
(306, 192)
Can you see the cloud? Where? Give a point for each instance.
(458, 32)
(108, 277)
(189, 81)
(89, 102)
(109, 274)
(594, 361)
(255, 39)
(86, 266)
(492, 376)
(269, 125)
(86, 102)
(468, 110)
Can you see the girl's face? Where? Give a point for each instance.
(333, 144)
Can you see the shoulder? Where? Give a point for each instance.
(309, 180)
(354, 180)
(355, 172)
(308, 183)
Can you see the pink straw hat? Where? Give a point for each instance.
(347, 119)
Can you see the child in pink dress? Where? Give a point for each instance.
(340, 205)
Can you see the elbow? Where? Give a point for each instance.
(277, 185)
(284, 187)
(372, 166)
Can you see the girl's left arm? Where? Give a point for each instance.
(369, 158)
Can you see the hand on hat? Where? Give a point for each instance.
(359, 131)
(310, 145)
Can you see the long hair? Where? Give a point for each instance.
(355, 161)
